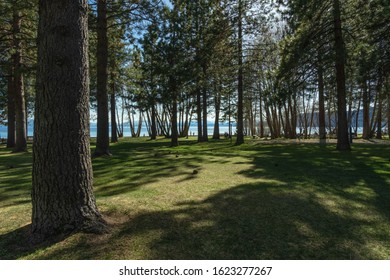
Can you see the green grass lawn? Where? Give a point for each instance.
(260, 200)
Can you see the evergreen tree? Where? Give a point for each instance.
(102, 140)
(62, 194)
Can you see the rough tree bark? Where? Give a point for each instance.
(62, 194)
(103, 139)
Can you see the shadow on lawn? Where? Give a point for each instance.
(246, 222)
(337, 173)
(249, 222)
(15, 184)
(148, 162)
(280, 216)
(287, 218)
(16, 244)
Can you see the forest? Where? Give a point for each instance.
(272, 70)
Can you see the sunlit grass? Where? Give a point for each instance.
(215, 200)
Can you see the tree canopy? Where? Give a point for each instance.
(274, 69)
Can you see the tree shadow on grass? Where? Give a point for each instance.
(356, 176)
(253, 221)
(302, 205)
(131, 175)
(17, 244)
(15, 179)
(126, 172)
(305, 204)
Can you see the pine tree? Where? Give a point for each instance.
(62, 194)
(102, 140)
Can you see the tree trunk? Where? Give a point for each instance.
(261, 118)
(253, 116)
(153, 135)
(312, 116)
(205, 128)
(366, 111)
(103, 139)
(287, 130)
(11, 110)
(139, 127)
(175, 134)
(379, 113)
(120, 120)
(19, 98)
(240, 102)
(321, 104)
(114, 134)
(342, 131)
(357, 115)
(387, 94)
(374, 114)
(217, 107)
(62, 192)
(114, 126)
(293, 109)
(199, 115)
(379, 120)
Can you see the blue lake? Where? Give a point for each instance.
(224, 127)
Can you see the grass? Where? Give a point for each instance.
(260, 200)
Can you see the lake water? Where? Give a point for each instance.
(223, 127)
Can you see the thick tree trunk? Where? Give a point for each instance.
(62, 193)
(342, 131)
(103, 139)
(20, 103)
(240, 101)
(11, 110)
